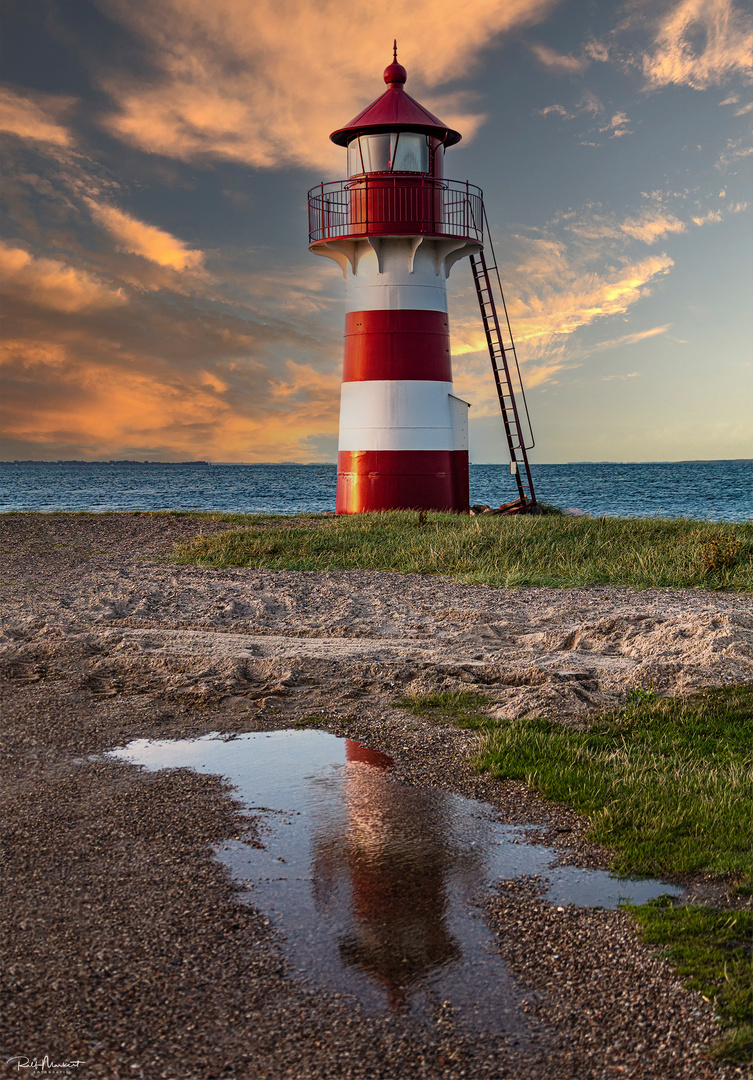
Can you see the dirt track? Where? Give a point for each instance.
(127, 947)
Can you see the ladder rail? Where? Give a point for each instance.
(509, 330)
(502, 375)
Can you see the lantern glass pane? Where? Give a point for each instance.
(405, 151)
(410, 153)
(355, 165)
(377, 152)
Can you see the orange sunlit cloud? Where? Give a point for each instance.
(34, 116)
(138, 238)
(556, 295)
(194, 414)
(725, 34)
(254, 83)
(304, 378)
(553, 297)
(28, 355)
(49, 283)
(652, 223)
(93, 367)
(558, 61)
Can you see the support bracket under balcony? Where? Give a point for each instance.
(346, 253)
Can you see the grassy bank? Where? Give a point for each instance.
(711, 953)
(667, 783)
(668, 786)
(549, 550)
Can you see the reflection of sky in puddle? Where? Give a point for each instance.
(372, 881)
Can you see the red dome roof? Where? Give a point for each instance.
(395, 111)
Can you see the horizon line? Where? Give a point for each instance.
(480, 464)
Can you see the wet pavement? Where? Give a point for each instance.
(375, 885)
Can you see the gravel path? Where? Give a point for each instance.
(127, 948)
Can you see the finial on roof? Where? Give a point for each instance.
(395, 73)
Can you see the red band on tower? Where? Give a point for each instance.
(405, 479)
(397, 345)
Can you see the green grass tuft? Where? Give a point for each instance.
(550, 549)
(711, 951)
(666, 782)
(313, 722)
(459, 707)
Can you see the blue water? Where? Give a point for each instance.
(716, 490)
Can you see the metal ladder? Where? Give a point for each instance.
(501, 348)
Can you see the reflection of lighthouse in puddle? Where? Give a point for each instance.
(395, 855)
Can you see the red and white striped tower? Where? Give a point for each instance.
(396, 227)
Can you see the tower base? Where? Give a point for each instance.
(372, 480)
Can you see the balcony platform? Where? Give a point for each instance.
(395, 205)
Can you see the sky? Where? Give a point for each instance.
(160, 301)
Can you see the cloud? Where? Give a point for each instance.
(164, 383)
(558, 62)
(618, 125)
(49, 283)
(35, 116)
(628, 375)
(733, 99)
(30, 355)
(695, 43)
(626, 339)
(597, 50)
(651, 223)
(700, 43)
(303, 380)
(706, 219)
(122, 339)
(590, 105)
(562, 286)
(257, 83)
(138, 238)
(556, 110)
(735, 150)
(567, 283)
(570, 299)
(93, 370)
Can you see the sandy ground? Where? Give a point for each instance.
(127, 947)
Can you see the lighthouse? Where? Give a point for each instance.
(396, 227)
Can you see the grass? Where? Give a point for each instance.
(460, 707)
(667, 784)
(711, 951)
(316, 721)
(549, 550)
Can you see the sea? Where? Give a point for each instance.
(708, 490)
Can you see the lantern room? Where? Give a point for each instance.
(395, 176)
(395, 134)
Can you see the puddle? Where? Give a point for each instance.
(373, 882)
